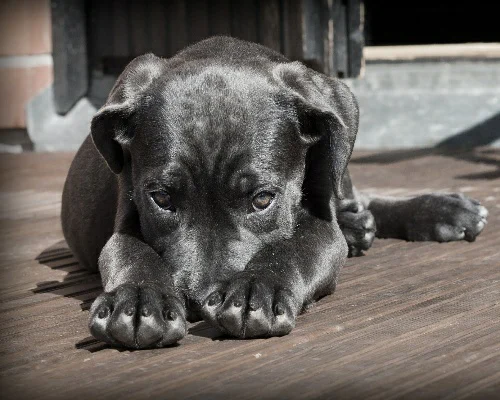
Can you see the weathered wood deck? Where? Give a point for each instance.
(408, 320)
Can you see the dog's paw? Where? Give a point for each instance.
(137, 317)
(251, 306)
(357, 225)
(447, 217)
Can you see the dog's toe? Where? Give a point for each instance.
(230, 315)
(121, 327)
(448, 233)
(482, 211)
(100, 315)
(230, 318)
(284, 313)
(259, 317)
(149, 331)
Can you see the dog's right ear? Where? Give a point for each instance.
(326, 110)
(110, 126)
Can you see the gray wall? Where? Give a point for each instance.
(424, 104)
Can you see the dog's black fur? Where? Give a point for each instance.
(214, 185)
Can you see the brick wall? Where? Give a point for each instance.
(25, 57)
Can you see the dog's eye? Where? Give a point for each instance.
(163, 200)
(262, 200)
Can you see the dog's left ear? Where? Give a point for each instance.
(326, 109)
(110, 127)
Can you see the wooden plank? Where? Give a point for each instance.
(100, 33)
(244, 20)
(121, 31)
(159, 28)
(69, 38)
(139, 28)
(269, 33)
(292, 29)
(197, 20)
(355, 16)
(340, 39)
(219, 17)
(313, 33)
(177, 27)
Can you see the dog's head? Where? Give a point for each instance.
(222, 159)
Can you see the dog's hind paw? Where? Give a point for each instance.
(357, 225)
(446, 218)
(137, 316)
(250, 306)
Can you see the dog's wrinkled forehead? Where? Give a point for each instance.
(217, 114)
(219, 99)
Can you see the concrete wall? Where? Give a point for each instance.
(425, 104)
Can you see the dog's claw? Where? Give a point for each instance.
(214, 298)
(279, 310)
(171, 315)
(103, 312)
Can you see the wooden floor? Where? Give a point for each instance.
(408, 320)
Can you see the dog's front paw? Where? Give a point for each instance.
(137, 317)
(447, 217)
(357, 225)
(251, 306)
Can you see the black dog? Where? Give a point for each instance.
(214, 185)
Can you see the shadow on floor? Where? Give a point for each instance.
(481, 134)
(202, 329)
(78, 283)
(463, 146)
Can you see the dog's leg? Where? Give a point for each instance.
(355, 221)
(435, 217)
(139, 307)
(357, 225)
(265, 298)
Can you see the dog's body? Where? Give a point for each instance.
(214, 185)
